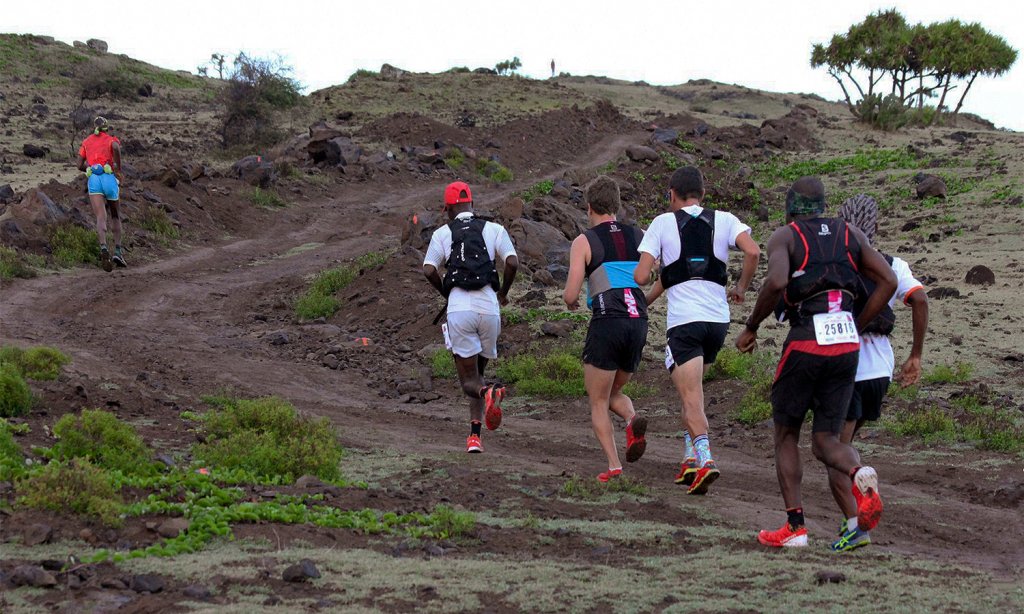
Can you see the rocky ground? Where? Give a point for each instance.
(211, 308)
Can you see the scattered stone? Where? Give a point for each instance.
(391, 73)
(956, 340)
(30, 575)
(511, 209)
(6, 194)
(601, 550)
(256, 171)
(39, 209)
(343, 115)
(543, 277)
(114, 583)
(829, 577)
(559, 328)
(664, 135)
(641, 153)
(170, 177)
(980, 275)
(87, 536)
(943, 292)
(330, 361)
(930, 186)
(147, 583)
(37, 534)
(300, 572)
(197, 591)
(52, 564)
(279, 337)
(97, 44)
(434, 550)
(911, 225)
(34, 151)
(172, 527)
(145, 90)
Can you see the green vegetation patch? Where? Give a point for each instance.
(949, 374)
(494, 171)
(100, 437)
(39, 363)
(13, 265)
(77, 486)
(774, 170)
(557, 373)
(319, 300)
(157, 221)
(442, 364)
(268, 199)
(268, 437)
(71, 245)
(541, 188)
(969, 418)
(514, 315)
(757, 371)
(590, 489)
(11, 461)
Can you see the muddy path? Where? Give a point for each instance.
(183, 327)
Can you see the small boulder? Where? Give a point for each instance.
(279, 337)
(197, 591)
(147, 583)
(145, 90)
(391, 73)
(30, 575)
(37, 534)
(170, 177)
(558, 328)
(97, 44)
(172, 527)
(543, 277)
(641, 153)
(826, 576)
(511, 209)
(943, 292)
(664, 135)
(255, 171)
(34, 151)
(300, 572)
(980, 275)
(6, 194)
(931, 186)
(39, 209)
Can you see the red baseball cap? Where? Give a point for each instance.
(457, 193)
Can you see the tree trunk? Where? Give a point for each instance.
(920, 91)
(942, 100)
(964, 95)
(846, 94)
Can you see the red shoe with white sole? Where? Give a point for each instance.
(473, 444)
(608, 475)
(636, 444)
(869, 503)
(786, 537)
(492, 406)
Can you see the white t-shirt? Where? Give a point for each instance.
(696, 300)
(876, 355)
(484, 300)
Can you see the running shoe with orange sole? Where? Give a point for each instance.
(473, 445)
(704, 477)
(786, 537)
(608, 475)
(492, 404)
(869, 503)
(687, 472)
(636, 444)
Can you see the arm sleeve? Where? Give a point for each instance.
(503, 247)
(651, 242)
(435, 252)
(906, 283)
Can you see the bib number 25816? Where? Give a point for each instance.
(833, 328)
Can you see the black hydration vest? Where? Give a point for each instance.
(828, 263)
(611, 290)
(697, 258)
(885, 321)
(469, 266)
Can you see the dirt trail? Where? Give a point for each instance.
(184, 320)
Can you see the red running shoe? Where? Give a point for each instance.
(785, 537)
(492, 402)
(703, 478)
(473, 444)
(869, 503)
(635, 441)
(607, 475)
(687, 472)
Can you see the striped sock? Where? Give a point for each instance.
(702, 447)
(688, 450)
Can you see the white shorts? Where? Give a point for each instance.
(471, 334)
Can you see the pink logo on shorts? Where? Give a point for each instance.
(630, 303)
(835, 301)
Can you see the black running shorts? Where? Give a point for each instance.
(815, 377)
(866, 403)
(688, 341)
(615, 344)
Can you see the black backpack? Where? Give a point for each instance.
(885, 321)
(469, 266)
(697, 258)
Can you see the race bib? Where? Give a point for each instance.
(447, 337)
(833, 328)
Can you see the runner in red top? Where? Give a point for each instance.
(814, 263)
(100, 159)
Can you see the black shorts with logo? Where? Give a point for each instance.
(866, 403)
(615, 344)
(813, 377)
(693, 339)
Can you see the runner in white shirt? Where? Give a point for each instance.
(877, 363)
(469, 247)
(693, 244)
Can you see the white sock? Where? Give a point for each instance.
(851, 524)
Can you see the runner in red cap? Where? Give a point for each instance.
(468, 248)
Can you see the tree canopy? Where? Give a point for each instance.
(885, 62)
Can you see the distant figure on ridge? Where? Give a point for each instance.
(552, 69)
(100, 159)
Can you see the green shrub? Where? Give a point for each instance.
(103, 439)
(455, 159)
(15, 396)
(445, 522)
(671, 162)
(558, 374)
(11, 461)
(269, 438)
(12, 265)
(541, 188)
(71, 245)
(495, 171)
(319, 301)
(156, 221)
(946, 374)
(930, 423)
(311, 306)
(442, 365)
(268, 199)
(992, 428)
(77, 486)
(754, 407)
(36, 363)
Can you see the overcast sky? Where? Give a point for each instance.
(765, 45)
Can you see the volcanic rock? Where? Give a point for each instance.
(980, 275)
